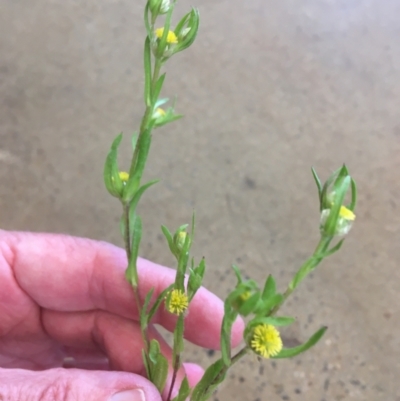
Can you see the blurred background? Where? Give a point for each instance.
(269, 89)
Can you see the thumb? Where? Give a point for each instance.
(75, 384)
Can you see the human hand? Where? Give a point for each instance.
(65, 297)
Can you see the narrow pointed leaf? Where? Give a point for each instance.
(136, 229)
(160, 372)
(290, 352)
(269, 288)
(157, 89)
(318, 183)
(237, 273)
(215, 373)
(269, 304)
(147, 72)
(143, 312)
(112, 180)
(184, 391)
(158, 302)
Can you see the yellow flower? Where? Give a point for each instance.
(171, 37)
(245, 296)
(159, 112)
(346, 214)
(266, 341)
(177, 302)
(124, 176)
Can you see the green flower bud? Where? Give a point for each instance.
(158, 7)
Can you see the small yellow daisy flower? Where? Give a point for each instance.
(178, 302)
(171, 37)
(266, 341)
(346, 214)
(124, 176)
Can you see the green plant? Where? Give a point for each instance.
(259, 305)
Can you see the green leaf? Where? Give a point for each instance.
(134, 141)
(160, 373)
(273, 321)
(269, 288)
(249, 305)
(137, 168)
(352, 205)
(333, 249)
(319, 185)
(266, 306)
(163, 40)
(191, 20)
(168, 119)
(212, 377)
(237, 273)
(290, 352)
(154, 351)
(182, 264)
(230, 316)
(158, 302)
(144, 320)
(146, 20)
(131, 271)
(160, 102)
(158, 365)
(147, 72)
(133, 195)
(112, 181)
(170, 240)
(340, 192)
(184, 391)
(146, 363)
(195, 278)
(157, 89)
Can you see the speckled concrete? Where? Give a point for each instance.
(269, 89)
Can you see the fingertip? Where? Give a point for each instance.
(237, 331)
(194, 373)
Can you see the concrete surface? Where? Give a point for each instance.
(269, 89)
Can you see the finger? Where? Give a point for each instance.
(118, 338)
(74, 274)
(80, 385)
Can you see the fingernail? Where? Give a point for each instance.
(129, 395)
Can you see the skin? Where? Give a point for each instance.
(66, 297)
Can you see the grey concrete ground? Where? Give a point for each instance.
(269, 89)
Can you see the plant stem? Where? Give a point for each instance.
(174, 374)
(148, 112)
(225, 368)
(309, 264)
(127, 241)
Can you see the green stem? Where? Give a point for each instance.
(225, 368)
(309, 265)
(148, 112)
(127, 241)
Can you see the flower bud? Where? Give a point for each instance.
(179, 240)
(343, 224)
(158, 7)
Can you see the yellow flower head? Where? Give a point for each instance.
(266, 341)
(178, 302)
(171, 37)
(124, 176)
(346, 214)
